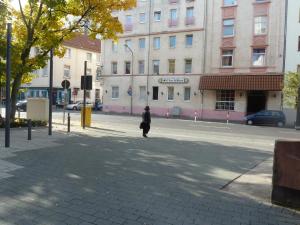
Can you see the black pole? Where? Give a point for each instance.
(7, 98)
(298, 112)
(69, 123)
(29, 124)
(84, 95)
(50, 93)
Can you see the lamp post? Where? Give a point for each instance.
(50, 94)
(298, 112)
(131, 81)
(7, 98)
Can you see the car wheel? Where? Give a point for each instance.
(249, 122)
(75, 108)
(280, 124)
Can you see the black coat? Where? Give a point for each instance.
(147, 117)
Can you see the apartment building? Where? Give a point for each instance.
(71, 67)
(210, 59)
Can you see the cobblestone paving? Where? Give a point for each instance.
(119, 180)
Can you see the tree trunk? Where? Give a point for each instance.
(14, 95)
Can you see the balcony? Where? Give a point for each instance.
(173, 22)
(128, 27)
(190, 20)
(173, 1)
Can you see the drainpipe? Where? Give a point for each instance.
(149, 35)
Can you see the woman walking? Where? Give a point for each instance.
(146, 121)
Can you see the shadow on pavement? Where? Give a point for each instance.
(128, 180)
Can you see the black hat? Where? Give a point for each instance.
(147, 108)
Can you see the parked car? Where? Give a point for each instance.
(266, 117)
(22, 105)
(77, 105)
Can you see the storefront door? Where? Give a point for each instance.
(256, 101)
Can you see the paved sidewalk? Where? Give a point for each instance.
(112, 177)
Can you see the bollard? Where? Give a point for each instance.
(227, 117)
(29, 129)
(167, 114)
(195, 114)
(69, 123)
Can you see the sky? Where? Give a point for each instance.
(15, 3)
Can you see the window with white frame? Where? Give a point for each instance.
(114, 92)
(189, 40)
(142, 43)
(142, 17)
(114, 46)
(259, 57)
(172, 66)
(225, 100)
(141, 66)
(89, 56)
(67, 71)
(190, 12)
(173, 14)
(127, 67)
(227, 58)
(188, 66)
(155, 66)
(98, 73)
(187, 94)
(68, 53)
(128, 20)
(114, 68)
(228, 27)
(128, 43)
(172, 41)
(170, 93)
(98, 58)
(157, 16)
(143, 93)
(156, 43)
(260, 25)
(229, 2)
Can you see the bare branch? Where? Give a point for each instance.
(23, 15)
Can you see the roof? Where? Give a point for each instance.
(265, 82)
(81, 41)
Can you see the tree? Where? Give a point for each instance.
(42, 25)
(290, 91)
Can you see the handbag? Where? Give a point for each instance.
(141, 125)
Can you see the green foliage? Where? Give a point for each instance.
(23, 123)
(290, 91)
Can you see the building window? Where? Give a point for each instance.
(156, 43)
(189, 40)
(143, 94)
(114, 46)
(114, 68)
(67, 73)
(172, 66)
(228, 27)
(172, 41)
(141, 67)
(129, 44)
(45, 70)
(187, 94)
(127, 67)
(98, 73)
(97, 94)
(89, 57)
(142, 17)
(298, 43)
(260, 25)
(142, 43)
(157, 15)
(128, 20)
(170, 93)
(259, 57)
(98, 58)
(173, 18)
(188, 66)
(227, 58)
(114, 92)
(155, 66)
(225, 100)
(68, 53)
(229, 2)
(155, 93)
(190, 19)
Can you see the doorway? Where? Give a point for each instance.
(256, 101)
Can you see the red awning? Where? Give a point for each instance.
(242, 82)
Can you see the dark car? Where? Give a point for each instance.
(266, 117)
(22, 105)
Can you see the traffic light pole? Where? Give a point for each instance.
(298, 112)
(50, 93)
(84, 95)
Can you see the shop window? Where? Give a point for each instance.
(187, 94)
(115, 92)
(155, 93)
(225, 100)
(170, 93)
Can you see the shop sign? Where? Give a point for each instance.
(173, 80)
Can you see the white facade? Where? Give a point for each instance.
(71, 68)
(293, 35)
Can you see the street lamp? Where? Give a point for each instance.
(131, 96)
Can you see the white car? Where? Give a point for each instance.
(78, 105)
